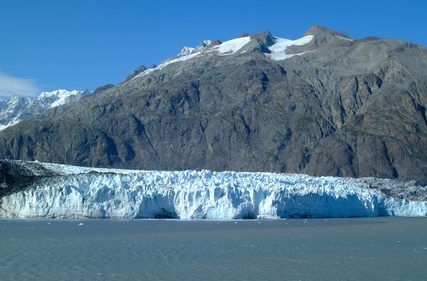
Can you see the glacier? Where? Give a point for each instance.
(78, 192)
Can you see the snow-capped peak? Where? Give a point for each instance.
(13, 110)
(58, 97)
(190, 50)
(60, 92)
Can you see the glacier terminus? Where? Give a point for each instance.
(62, 191)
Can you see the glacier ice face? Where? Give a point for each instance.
(125, 194)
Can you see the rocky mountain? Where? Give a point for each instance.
(14, 109)
(324, 104)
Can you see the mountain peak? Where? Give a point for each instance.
(199, 48)
(324, 35)
(265, 37)
(321, 31)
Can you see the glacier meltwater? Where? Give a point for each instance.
(77, 192)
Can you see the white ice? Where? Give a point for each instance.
(125, 194)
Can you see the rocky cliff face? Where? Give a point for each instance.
(325, 104)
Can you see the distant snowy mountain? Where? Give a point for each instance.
(14, 109)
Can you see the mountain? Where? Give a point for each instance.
(14, 109)
(324, 104)
(62, 191)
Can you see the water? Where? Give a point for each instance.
(332, 249)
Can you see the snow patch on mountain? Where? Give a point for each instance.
(111, 193)
(11, 123)
(278, 49)
(187, 53)
(233, 45)
(228, 48)
(166, 63)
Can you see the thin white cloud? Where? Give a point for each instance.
(16, 86)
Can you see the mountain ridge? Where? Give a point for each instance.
(332, 106)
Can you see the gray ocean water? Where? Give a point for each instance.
(317, 249)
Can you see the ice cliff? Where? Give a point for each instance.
(77, 192)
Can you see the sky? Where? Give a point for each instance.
(82, 44)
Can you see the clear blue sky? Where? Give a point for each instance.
(79, 44)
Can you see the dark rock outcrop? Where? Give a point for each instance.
(17, 175)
